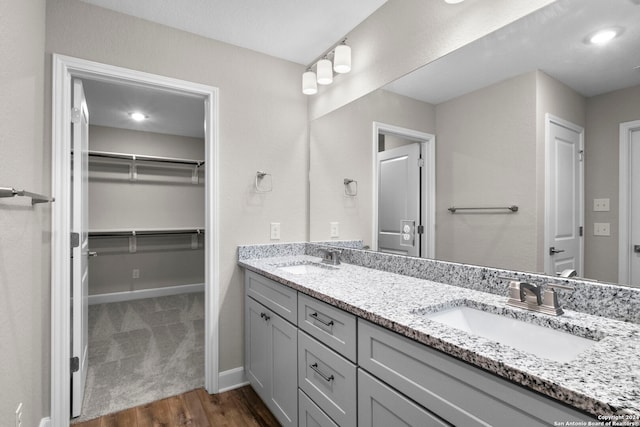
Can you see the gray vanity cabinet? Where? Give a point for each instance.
(315, 365)
(453, 390)
(271, 344)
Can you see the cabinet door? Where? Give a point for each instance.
(283, 367)
(382, 406)
(256, 347)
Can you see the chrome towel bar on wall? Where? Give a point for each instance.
(35, 197)
(512, 208)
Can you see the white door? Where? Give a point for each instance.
(629, 235)
(634, 215)
(80, 253)
(564, 198)
(399, 200)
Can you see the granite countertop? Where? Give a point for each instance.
(603, 380)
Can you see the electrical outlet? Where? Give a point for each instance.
(19, 415)
(601, 229)
(135, 274)
(601, 205)
(334, 229)
(275, 231)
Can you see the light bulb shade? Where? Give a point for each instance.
(325, 72)
(309, 85)
(342, 59)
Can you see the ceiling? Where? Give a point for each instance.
(294, 30)
(551, 40)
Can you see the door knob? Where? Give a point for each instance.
(553, 250)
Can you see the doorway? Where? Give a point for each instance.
(403, 191)
(65, 69)
(564, 196)
(629, 233)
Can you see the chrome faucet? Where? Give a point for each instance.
(533, 289)
(331, 256)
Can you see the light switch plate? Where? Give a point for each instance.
(601, 205)
(601, 229)
(334, 230)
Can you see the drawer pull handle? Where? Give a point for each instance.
(324, 322)
(265, 316)
(324, 376)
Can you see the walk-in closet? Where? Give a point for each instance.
(146, 270)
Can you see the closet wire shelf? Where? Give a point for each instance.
(133, 235)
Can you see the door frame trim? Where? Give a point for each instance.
(548, 119)
(428, 142)
(63, 69)
(624, 224)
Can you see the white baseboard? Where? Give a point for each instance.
(145, 293)
(45, 422)
(231, 379)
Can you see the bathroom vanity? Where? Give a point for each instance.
(348, 345)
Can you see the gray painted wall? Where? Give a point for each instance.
(485, 156)
(262, 126)
(25, 232)
(604, 115)
(160, 198)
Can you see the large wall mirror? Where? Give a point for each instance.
(529, 116)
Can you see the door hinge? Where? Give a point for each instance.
(581, 230)
(75, 115)
(420, 229)
(75, 240)
(420, 162)
(581, 155)
(75, 364)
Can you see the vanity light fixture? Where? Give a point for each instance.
(325, 68)
(309, 83)
(325, 72)
(603, 36)
(342, 59)
(138, 116)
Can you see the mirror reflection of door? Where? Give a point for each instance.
(405, 170)
(564, 202)
(399, 199)
(629, 234)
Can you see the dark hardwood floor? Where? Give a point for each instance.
(196, 408)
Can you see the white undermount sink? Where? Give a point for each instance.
(538, 340)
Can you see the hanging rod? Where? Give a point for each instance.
(512, 208)
(144, 232)
(35, 197)
(138, 157)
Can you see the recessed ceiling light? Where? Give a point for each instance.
(138, 116)
(603, 36)
(453, 1)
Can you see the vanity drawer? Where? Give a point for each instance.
(276, 296)
(454, 390)
(330, 325)
(380, 405)
(328, 379)
(310, 415)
